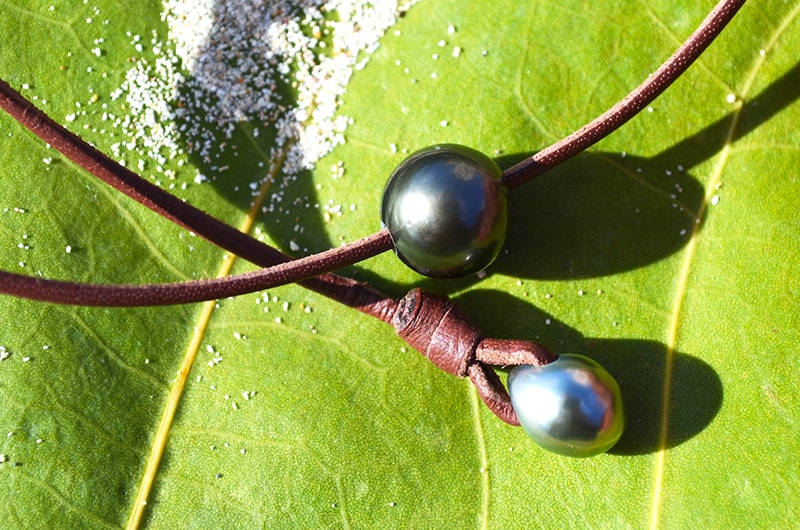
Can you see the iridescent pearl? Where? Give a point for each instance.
(571, 406)
(446, 211)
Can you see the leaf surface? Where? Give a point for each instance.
(668, 252)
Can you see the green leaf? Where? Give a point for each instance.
(668, 252)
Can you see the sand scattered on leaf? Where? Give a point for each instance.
(230, 63)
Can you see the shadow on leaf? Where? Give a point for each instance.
(604, 213)
(640, 367)
(239, 123)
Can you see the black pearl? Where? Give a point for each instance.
(571, 406)
(446, 210)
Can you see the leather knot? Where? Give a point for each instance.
(435, 327)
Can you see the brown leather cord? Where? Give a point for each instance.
(508, 352)
(436, 328)
(344, 290)
(430, 323)
(492, 392)
(90, 294)
(263, 255)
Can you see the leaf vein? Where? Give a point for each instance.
(59, 498)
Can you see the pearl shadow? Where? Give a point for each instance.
(639, 366)
(599, 214)
(604, 213)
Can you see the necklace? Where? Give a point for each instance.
(444, 210)
(511, 173)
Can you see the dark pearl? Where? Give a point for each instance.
(571, 406)
(446, 211)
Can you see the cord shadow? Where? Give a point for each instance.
(639, 366)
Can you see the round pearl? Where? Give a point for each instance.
(446, 211)
(571, 406)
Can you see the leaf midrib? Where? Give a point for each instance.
(176, 393)
(673, 328)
